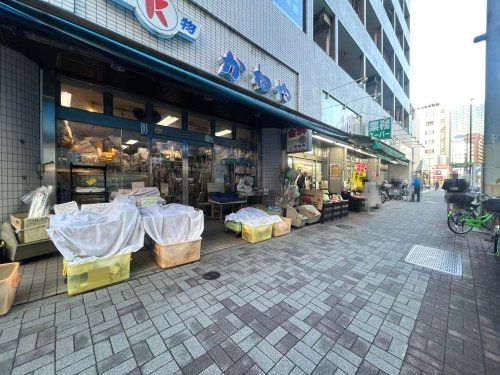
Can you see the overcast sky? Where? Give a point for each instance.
(446, 66)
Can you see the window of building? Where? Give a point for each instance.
(129, 109)
(429, 123)
(82, 97)
(324, 27)
(294, 10)
(243, 134)
(167, 117)
(429, 132)
(429, 142)
(199, 124)
(429, 151)
(223, 129)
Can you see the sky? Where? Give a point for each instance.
(446, 66)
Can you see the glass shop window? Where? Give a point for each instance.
(223, 129)
(243, 134)
(234, 164)
(81, 97)
(199, 124)
(167, 117)
(125, 154)
(129, 109)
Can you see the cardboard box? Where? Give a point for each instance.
(29, 229)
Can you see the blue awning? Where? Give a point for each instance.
(34, 17)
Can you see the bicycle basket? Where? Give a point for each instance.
(492, 205)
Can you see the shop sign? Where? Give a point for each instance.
(380, 129)
(298, 140)
(335, 171)
(231, 69)
(162, 18)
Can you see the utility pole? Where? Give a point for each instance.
(491, 169)
(471, 169)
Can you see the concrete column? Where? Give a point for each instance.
(491, 169)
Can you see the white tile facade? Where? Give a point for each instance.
(19, 129)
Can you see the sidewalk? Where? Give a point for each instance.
(324, 299)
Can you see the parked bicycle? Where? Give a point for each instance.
(462, 220)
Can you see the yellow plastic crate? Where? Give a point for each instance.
(97, 274)
(256, 234)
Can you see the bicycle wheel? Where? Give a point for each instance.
(383, 198)
(457, 224)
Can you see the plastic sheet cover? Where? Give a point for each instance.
(87, 236)
(172, 224)
(253, 217)
(138, 194)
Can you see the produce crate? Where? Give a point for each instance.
(256, 234)
(233, 226)
(298, 220)
(280, 229)
(168, 256)
(87, 276)
(313, 216)
(29, 229)
(9, 281)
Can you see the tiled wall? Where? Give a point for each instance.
(273, 161)
(257, 33)
(19, 129)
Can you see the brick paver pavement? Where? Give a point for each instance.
(321, 300)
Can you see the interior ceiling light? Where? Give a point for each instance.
(131, 142)
(223, 132)
(168, 121)
(66, 99)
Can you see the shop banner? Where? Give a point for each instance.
(360, 167)
(335, 171)
(380, 129)
(298, 140)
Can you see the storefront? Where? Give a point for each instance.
(97, 127)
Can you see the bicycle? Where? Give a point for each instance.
(461, 221)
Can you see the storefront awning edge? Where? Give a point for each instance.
(101, 42)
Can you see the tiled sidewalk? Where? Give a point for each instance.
(322, 300)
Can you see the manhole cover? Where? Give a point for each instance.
(212, 275)
(436, 259)
(344, 226)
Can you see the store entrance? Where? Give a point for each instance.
(181, 170)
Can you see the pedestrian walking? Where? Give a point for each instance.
(416, 189)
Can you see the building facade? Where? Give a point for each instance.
(167, 94)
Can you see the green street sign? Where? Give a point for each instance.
(380, 129)
(461, 165)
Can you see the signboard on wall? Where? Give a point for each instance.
(293, 9)
(335, 171)
(298, 140)
(162, 18)
(380, 129)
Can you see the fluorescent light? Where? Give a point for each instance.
(124, 147)
(131, 142)
(66, 99)
(327, 140)
(168, 121)
(223, 132)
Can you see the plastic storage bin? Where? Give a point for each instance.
(256, 234)
(280, 229)
(29, 229)
(233, 226)
(97, 274)
(168, 256)
(9, 281)
(312, 214)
